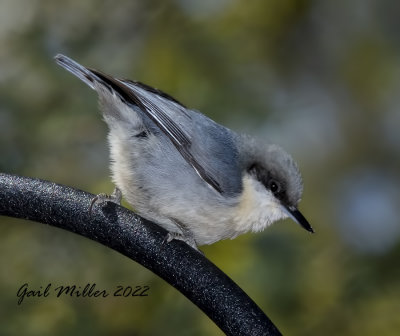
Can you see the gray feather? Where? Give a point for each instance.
(178, 123)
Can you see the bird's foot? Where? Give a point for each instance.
(188, 239)
(115, 197)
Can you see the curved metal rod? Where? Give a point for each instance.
(140, 240)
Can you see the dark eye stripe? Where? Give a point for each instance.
(266, 178)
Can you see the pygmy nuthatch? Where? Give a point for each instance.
(197, 179)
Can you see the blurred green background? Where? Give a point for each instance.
(320, 78)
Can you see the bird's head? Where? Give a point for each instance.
(275, 178)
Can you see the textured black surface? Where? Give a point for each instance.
(122, 230)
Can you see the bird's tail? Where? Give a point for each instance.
(84, 74)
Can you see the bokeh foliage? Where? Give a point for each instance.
(320, 78)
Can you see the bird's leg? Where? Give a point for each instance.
(186, 236)
(115, 197)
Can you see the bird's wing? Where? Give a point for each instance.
(174, 120)
(159, 107)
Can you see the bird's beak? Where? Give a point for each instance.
(299, 218)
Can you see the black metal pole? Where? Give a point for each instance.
(143, 241)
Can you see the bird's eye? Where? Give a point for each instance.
(274, 186)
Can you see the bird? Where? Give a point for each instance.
(199, 180)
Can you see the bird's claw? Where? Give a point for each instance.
(178, 236)
(115, 197)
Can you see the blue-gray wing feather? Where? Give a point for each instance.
(208, 147)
